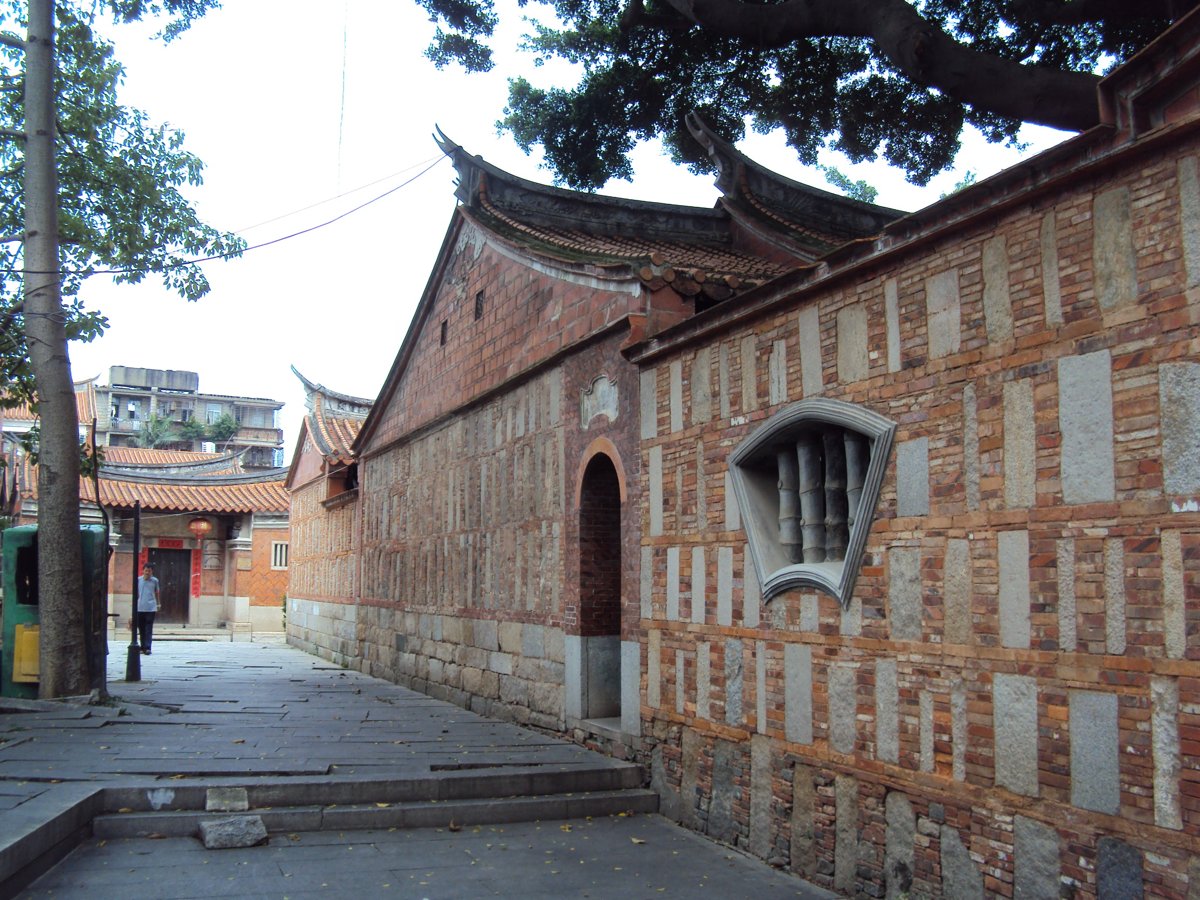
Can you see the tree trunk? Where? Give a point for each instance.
(62, 646)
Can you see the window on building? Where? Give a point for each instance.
(807, 484)
(279, 554)
(445, 331)
(213, 412)
(479, 306)
(341, 480)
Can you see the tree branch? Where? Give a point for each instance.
(920, 50)
(11, 40)
(634, 16)
(1082, 12)
(12, 134)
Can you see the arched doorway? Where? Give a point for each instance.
(600, 589)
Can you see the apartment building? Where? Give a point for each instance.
(191, 418)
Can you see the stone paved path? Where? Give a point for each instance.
(228, 712)
(639, 856)
(210, 709)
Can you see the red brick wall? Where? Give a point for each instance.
(264, 585)
(928, 399)
(527, 318)
(322, 562)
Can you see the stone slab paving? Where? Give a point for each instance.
(627, 856)
(233, 712)
(263, 708)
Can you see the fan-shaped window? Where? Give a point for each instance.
(807, 484)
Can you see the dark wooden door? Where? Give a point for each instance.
(173, 569)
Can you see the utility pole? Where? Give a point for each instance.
(63, 644)
(133, 656)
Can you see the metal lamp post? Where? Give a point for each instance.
(133, 659)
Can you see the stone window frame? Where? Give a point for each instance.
(758, 486)
(279, 555)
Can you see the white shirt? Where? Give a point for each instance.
(147, 594)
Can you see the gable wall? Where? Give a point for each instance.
(529, 316)
(1025, 625)
(467, 511)
(310, 464)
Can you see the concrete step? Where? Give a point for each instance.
(463, 812)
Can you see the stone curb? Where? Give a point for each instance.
(43, 830)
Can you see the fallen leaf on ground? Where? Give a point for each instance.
(637, 840)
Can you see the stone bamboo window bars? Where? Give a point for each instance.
(807, 484)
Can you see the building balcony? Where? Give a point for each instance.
(259, 436)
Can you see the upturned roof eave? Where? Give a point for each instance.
(562, 207)
(312, 387)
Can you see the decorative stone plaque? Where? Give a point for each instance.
(600, 398)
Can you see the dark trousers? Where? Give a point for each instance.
(145, 626)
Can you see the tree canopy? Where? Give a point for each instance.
(156, 431)
(870, 78)
(87, 186)
(122, 178)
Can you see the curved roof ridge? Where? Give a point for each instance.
(182, 461)
(313, 387)
(796, 205)
(194, 478)
(584, 211)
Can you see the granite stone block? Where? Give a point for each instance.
(1085, 419)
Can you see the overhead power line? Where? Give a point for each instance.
(127, 270)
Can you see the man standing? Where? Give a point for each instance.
(147, 606)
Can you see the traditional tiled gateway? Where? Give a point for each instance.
(216, 534)
(876, 538)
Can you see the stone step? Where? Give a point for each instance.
(319, 790)
(465, 812)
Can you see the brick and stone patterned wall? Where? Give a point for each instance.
(463, 557)
(1010, 704)
(511, 381)
(322, 575)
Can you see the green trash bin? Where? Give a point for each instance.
(19, 662)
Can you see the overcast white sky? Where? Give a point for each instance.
(302, 110)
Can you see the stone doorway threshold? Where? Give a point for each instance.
(609, 728)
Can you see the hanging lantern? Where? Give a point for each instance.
(200, 527)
